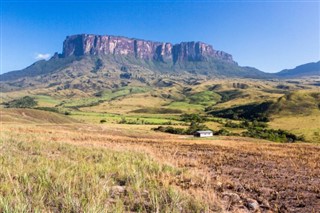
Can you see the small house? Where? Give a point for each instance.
(201, 134)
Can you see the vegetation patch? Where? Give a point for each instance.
(184, 106)
(246, 124)
(229, 95)
(103, 96)
(193, 118)
(24, 102)
(143, 121)
(152, 110)
(205, 98)
(54, 177)
(98, 64)
(255, 111)
(196, 124)
(272, 135)
(297, 103)
(49, 109)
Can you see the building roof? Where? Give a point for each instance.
(206, 131)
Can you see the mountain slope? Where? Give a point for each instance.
(38, 68)
(298, 103)
(309, 69)
(118, 60)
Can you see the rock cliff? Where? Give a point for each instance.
(87, 44)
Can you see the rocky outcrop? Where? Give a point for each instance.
(87, 44)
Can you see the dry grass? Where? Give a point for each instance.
(33, 116)
(229, 170)
(41, 173)
(128, 104)
(307, 125)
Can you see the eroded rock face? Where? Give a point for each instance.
(85, 44)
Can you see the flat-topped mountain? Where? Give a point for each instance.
(86, 44)
(96, 62)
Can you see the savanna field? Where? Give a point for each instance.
(71, 142)
(128, 150)
(119, 106)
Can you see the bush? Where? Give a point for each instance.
(194, 126)
(124, 69)
(25, 102)
(123, 121)
(190, 131)
(103, 121)
(232, 125)
(125, 75)
(259, 124)
(49, 109)
(97, 65)
(272, 135)
(246, 124)
(170, 129)
(222, 132)
(67, 113)
(251, 112)
(154, 110)
(225, 132)
(192, 118)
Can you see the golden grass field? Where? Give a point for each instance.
(128, 104)
(53, 163)
(308, 125)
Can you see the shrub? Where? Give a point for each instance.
(124, 69)
(25, 102)
(232, 125)
(194, 126)
(103, 121)
(192, 118)
(170, 129)
(97, 65)
(49, 109)
(225, 132)
(258, 112)
(123, 121)
(67, 113)
(125, 75)
(246, 124)
(240, 86)
(259, 124)
(154, 110)
(272, 135)
(190, 131)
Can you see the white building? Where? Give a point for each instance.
(201, 134)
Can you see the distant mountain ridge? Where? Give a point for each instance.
(304, 70)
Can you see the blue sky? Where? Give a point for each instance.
(269, 35)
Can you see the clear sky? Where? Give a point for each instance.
(269, 35)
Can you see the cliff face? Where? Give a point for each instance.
(84, 44)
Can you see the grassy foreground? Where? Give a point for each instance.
(55, 177)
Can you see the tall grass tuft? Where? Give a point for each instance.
(56, 177)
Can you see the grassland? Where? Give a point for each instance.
(94, 117)
(46, 101)
(103, 96)
(49, 176)
(296, 102)
(103, 156)
(307, 125)
(91, 167)
(185, 106)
